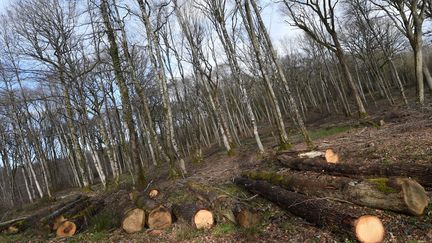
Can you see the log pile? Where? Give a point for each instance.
(315, 186)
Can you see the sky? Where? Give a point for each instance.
(279, 30)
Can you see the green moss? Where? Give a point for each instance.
(320, 133)
(103, 221)
(382, 185)
(284, 146)
(231, 152)
(224, 229)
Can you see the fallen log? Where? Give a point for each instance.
(131, 218)
(57, 217)
(79, 221)
(198, 217)
(158, 216)
(421, 173)
(222, 203)
(41, 218)
(402, 195)
(323, 213)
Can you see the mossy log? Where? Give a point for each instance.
(198, 217)
(320, 212)
(69, 209)
(80, 220)
(402, 195)
(421, 173)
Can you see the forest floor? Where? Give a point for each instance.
(405, 135)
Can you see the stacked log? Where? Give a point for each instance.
(401, 195)
(366, 228)
(78, 218)
(158, 215)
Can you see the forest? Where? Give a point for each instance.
(188, 121)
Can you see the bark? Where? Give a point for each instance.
(124, 92)
(318, 211)
(421, 173)
(156, 60)
(248, 23)
(396, 194)
(196, 216)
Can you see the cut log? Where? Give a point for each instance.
(331, 156)
(39, 219)
(369, 229)
(57, 217)
(222, 204)
(421, 173)
(66, 229)
(133, 220)
(402, 195)
(318, 211)
(159, 218)
(153, 193)
(198, 217)
(78, 220)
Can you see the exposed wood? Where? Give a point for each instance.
(159, 218)
(222, 204)
(153, 193)
(331, 156)
(420, 172)
(196, 216)
(397, 194)
(369, 229)
(66, 229)
(320, 212)
(133, 220)
(64, 208)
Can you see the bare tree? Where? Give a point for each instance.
(318, 20)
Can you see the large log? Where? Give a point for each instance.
(158, 216)
(198, 217)
(318, 211)
(222, 204)
(80, 219)
(396, 194)
(58, 216)
(421, 173)
(131, 218)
